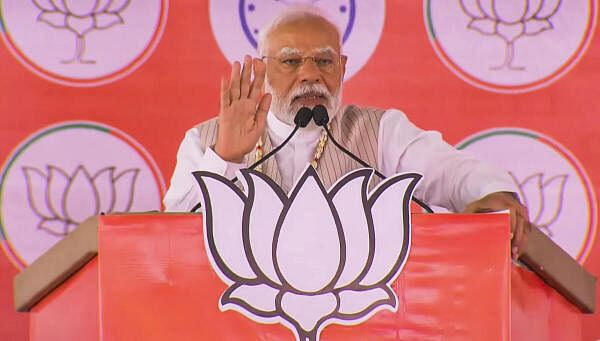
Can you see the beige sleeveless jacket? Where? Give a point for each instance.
(354, 127)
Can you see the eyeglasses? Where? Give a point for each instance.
(326, 63)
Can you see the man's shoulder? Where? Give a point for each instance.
(352, 111)
(372, 111)
(355, 107)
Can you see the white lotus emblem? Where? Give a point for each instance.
(311, 259)
(62, 201)
(543, 198)
(510, 20)
(81, 17)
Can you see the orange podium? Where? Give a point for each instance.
(152, 280)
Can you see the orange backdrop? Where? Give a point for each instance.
(155, 100)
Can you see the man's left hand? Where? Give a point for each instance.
(519, 217)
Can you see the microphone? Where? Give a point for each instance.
(303, 117)
(301, 120)
(321, 118)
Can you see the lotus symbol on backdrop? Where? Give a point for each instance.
(543, 198)
(81, 17)
(510, 20)
(312, 258)
(62, 201)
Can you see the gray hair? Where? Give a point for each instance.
(288, 15)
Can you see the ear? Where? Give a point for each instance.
(343, 65)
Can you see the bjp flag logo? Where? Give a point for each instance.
(82, 42)
(510, 46)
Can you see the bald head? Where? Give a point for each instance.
(291, 20)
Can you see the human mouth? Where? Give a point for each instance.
(310, 99)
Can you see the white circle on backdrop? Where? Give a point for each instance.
(513, 46)
(552, 184)
(82, 42)
(236, 23)
(66, 172)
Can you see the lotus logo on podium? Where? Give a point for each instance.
(312, 258)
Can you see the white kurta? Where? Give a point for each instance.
(451, 178)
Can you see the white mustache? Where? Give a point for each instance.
(317, 90)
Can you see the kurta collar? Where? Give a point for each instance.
(279, 130)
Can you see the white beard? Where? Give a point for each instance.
(285, 110)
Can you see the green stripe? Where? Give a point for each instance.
(1, 18)
(497, 132)
(23, 147)
(429, 23)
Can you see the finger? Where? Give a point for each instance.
(234, 82)
(260, 70)
(523, 242)
(225, 101)
(518, 242)
(527, 226)
(245, 79)
(513, 228)
(513, 224)
(261, 113)
(517, 245)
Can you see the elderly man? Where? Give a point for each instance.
(301, 65)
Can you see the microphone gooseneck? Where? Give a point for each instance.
(196, 207)
(321, 118)
(302, 118)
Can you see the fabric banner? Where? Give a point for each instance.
(97, 95)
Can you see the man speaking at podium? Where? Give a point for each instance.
(301, 65)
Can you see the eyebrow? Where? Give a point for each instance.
(295, 51)
(289, 50)
(326, 50)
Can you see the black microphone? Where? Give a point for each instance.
(303, 117)
(301, 120)
(321, 118)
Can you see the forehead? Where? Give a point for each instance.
(304, 35)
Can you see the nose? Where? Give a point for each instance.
(308, 72)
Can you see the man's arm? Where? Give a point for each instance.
(242, 119)
(184, 193)
(452, 179)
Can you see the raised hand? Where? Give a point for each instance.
(243, 112)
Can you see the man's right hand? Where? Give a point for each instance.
(243, 113)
